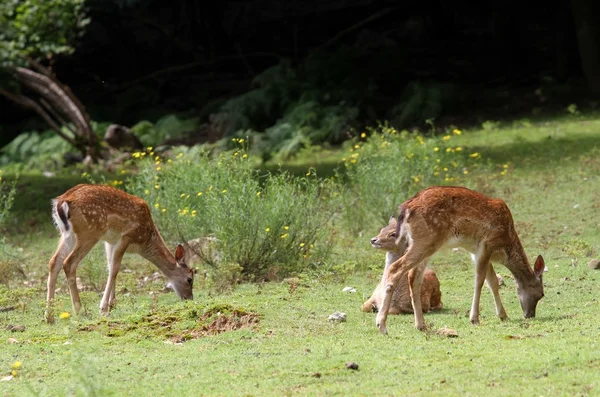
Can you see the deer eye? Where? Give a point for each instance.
(393, 235)
(190, 280)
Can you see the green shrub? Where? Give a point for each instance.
(388, 167)
(40, 151)
(167, 127)
(271, 226)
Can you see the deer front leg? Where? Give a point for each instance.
(114, 255)
(492, 282)
(481, 270)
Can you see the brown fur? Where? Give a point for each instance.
(459, 217)
(431, 296)
(87, 214)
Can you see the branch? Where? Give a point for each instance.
(179, 68)
(57, 116)
(357, 25)
(30, 103)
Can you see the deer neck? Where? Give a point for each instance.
(518, 264)
(391, 257)
(157, 252)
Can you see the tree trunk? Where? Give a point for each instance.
(585, 16)
(56, 103)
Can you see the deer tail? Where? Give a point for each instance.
(60, 214)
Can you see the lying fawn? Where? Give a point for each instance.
(86, 214)
(431, 296)
(459, 217)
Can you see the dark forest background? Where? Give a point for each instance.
(247, 65)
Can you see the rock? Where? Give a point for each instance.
(12, 341)
(349, 289)
(576, 206)
(337, 316)
(352, 365)
(7, 378)
(594, 264)
(447, 332)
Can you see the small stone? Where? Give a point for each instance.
(594, 264)
(12, 341)
(7, 378)
(576, 206)
(349, 289)
(447, 332)
(337, 316)
(352, 365)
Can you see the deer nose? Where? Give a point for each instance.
(373, 240)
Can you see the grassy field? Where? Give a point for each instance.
(154, 344)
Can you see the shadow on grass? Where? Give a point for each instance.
(542, 153)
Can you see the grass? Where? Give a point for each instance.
(552, 185)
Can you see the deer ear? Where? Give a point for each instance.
(180, 255)
(539, 266)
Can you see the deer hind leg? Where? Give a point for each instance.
(114, 255)
(482, 264)
(492, 282)
(393, 274)
(81, 249)
(56, 263)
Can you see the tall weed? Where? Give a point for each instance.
(385, 167)
(269, 225)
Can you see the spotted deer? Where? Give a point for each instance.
(431, 296)
(86, 214)
(447, 216)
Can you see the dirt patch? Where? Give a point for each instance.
(217, 321)
(179, 325)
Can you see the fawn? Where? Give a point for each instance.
(86, 214)
(431, 296)
(445, 216)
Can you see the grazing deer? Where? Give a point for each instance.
(86, 214)
(458, 217)
(431, 296)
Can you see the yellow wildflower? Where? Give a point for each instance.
(257, 194)
(456, 131)
(446, 138)
(147, 192)
(163, 210)
(244, 156)
(16, 365)
(64, 315)
(458, 148)
(302, 244)
(157, 186)
(435, 149)
(465, 172)
(474, 155)
(194, 212)
(363, 135)
(199, 194)
(156, 205)
(182, 195)
(268, 229)
(149, 148)
(284, 235)
(14, 372)
(286, 228)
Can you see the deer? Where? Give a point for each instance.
(86, 214)
(457, 217)
(431, 296)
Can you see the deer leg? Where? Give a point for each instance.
(481, 269)
(70, 267)
(56, 262)
(392, 276)
(492, 282)
(114, 255)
